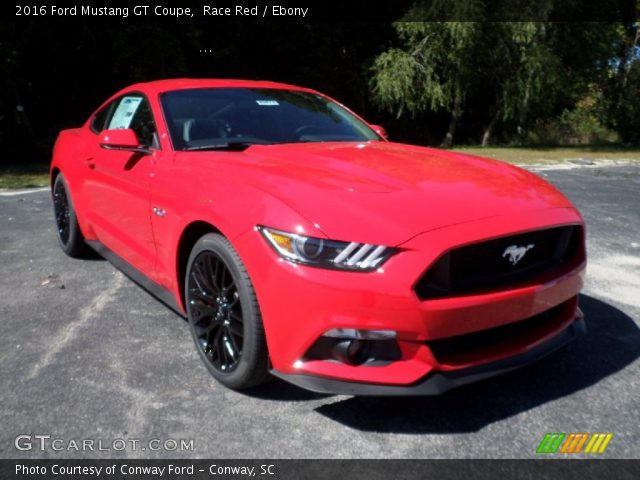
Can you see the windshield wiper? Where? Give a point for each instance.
(233, 146)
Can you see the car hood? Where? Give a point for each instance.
(386, 193)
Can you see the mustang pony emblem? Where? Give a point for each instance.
(516, 253)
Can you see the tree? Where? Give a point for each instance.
(429, 71)
(509, 73)
(439, 65)
(623, 85)
(521, 71)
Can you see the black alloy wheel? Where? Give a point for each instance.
(61, 210)
(224, 315)
(68, 231)
(217, 314)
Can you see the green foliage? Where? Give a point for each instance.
(440, 65)
(573, 127)
(527, 77)
(527, 68)
(621, 86)
(583, 124)
(396, 85)
(429, 71)
(581, 127)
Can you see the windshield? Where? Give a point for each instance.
(215, 118)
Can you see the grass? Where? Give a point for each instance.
(27, 176)
(524, 155)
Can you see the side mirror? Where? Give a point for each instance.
(380, 131)
(122, 139)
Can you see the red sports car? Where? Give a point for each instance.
(299, 242)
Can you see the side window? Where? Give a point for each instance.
(134, 112)
(99, 121)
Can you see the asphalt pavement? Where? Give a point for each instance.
(86, 354)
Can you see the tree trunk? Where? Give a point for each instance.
(628, 51)
(486, 136)
(627, 58)
(447, 142)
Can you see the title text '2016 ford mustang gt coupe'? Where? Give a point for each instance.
(300, 243)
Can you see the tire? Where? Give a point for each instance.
(68, 231)
(224, 315)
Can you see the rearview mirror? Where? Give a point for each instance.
(122, 139)
(380, 131)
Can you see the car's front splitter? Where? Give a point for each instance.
(436, 383)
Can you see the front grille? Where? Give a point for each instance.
(492, 265)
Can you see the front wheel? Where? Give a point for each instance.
(224, 315)
(68, 231)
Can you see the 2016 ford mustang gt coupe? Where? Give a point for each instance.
(299, 242)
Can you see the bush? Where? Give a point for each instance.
(581, 125)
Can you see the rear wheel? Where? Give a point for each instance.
(68, 231)
(224, 315)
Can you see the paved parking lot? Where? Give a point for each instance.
(86, 354)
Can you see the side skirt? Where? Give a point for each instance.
(156, 290)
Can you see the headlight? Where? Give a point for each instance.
(318, 252)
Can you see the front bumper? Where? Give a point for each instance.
(437, 383)
(299, 304)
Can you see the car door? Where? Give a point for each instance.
(119, 184)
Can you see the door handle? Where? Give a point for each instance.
(90, 163)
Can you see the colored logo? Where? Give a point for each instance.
(574, 443)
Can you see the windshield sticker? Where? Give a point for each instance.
(268, 103)
(125, 112)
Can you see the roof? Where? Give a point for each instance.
(159, 86)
